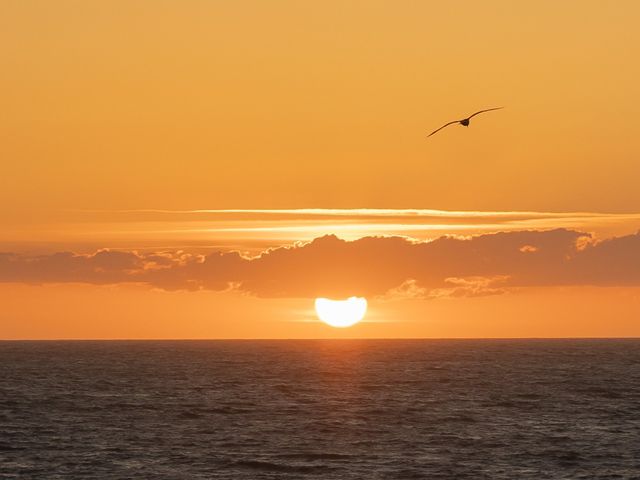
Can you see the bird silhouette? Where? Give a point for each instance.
(464, 121)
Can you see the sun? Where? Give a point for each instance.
(341, 313)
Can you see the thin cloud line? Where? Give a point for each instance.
(347, 227)
(370, 212)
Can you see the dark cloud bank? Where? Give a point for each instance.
(328, 266)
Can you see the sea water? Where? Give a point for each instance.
(321, 409)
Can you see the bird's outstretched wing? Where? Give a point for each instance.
(482, 111)
(445, 125)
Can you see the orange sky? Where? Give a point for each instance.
(120, 119)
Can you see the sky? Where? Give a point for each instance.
(206, 169)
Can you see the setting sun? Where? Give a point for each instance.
(341, 313)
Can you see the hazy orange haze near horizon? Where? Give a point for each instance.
(131, 126)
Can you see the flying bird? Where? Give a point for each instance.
(464, 121)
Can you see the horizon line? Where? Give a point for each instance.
(281, 339)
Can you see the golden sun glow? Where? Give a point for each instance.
(341, 313)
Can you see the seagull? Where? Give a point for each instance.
(464, 121)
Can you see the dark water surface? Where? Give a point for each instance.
(372, 409)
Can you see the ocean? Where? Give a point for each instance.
(320, 409)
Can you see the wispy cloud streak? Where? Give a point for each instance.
(251, 230)
(376, 212)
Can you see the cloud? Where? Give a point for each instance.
(102, 267)
(372, 266)
(407, 289)
(471, 287)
